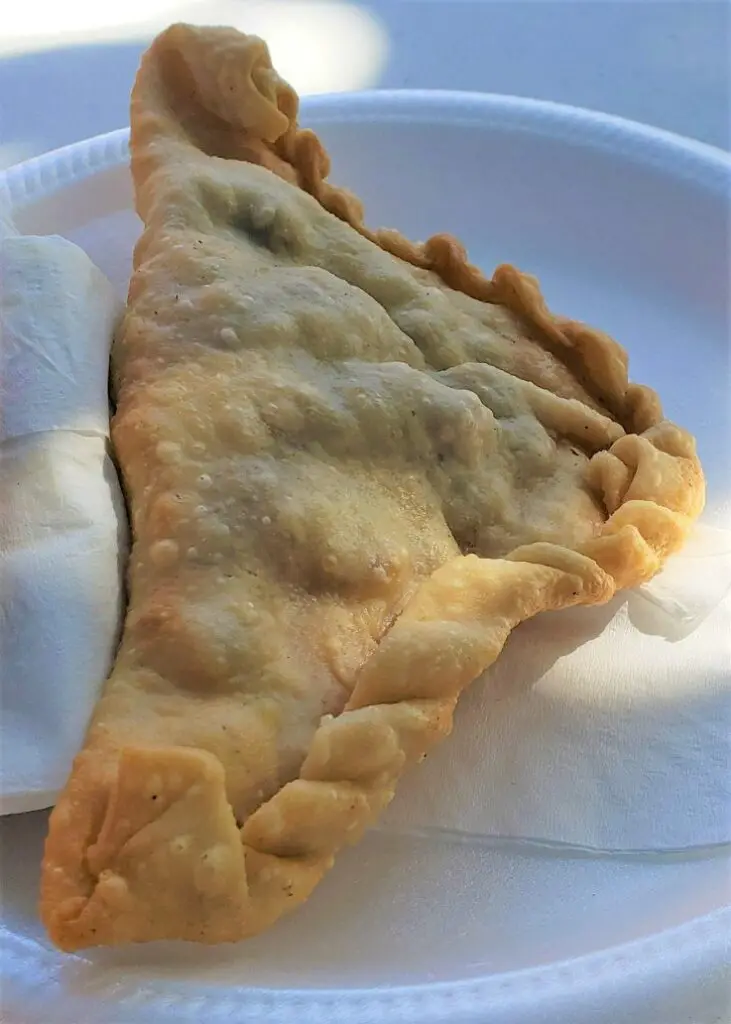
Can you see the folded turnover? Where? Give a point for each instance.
(353, 464)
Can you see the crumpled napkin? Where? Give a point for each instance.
(607, 728)
(63, 530)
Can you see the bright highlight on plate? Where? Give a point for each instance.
(318, 46)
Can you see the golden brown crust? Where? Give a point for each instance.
(145, 842)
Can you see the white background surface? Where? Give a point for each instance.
(66, 66)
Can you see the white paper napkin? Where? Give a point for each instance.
(607, 728)
(63, 532)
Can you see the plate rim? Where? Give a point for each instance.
(581, 977)
(706, 939)
(41, 176)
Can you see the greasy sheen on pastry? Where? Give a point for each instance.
(353, 465)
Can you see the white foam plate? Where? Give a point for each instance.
(627, 227)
